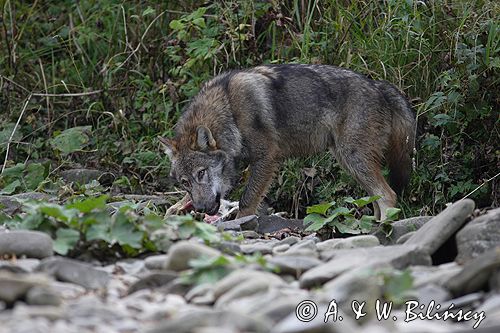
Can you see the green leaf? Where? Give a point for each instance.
(187, 229)
(320, 208)
(196, 14)
(58, 212)
(207, 232)
(200, 22)
(11, 188)
(361, 202)
(66, 240)
(366, 223)
(99, 231)
(148, 11)
(317, 221)
(348, 226)
(36, 173)
(71, 139)
(176, 25)
(392, 214)
(124, 232)
(90, 204)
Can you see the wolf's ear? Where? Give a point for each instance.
(204, 138)
(169, 146)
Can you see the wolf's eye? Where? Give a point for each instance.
(201, 173)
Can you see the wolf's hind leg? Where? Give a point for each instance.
(367, 171)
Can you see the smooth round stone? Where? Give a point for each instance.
(32, 244)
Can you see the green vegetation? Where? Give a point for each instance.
(329, 217)
(87, 223)
(94, 83)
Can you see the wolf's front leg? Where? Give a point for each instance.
(261, 176)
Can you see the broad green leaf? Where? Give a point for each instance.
(99, 231)
(11, 187)
(366, 223)
(361, 202)
(176, 25)
(35, 174)
(196, 14)
(392, 213)
(320, 208)
(317, 221)
(14, 172)
(186, 229)
(348, 226)
(71, 139)
(66, 240)
(206, 231)
(200, 22)
(58, 212)
(124, 232)
(89, 204)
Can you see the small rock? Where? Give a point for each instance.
(475, 273)
(249, 234)
(399, 256)
(67, 290)
(194, 320)
(50, 312)
(90, 307)
(401, 228)
(243, 223)
(289, 240)
(440, 228)
(228, 247)
(15, 286)
(12, 204)
(153, 280)
(43, 296)
(478, 236)
(356, 241)
(258, 247)
(68, 270)
(405, 237)
(280, 248)
(356, 285)
(258, 284)
(240, 276)
(317, 325)
(131, 267)
(432, 292)
(33, 244)
(438, 275)
(182, 252)
(273, 223)
(201, 294)
(155, 262)
(81, 176)
(327, 244)
(294, 265)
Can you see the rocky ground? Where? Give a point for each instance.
(449, 264)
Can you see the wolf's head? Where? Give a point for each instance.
(203, 170)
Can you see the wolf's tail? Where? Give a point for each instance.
(402, 140)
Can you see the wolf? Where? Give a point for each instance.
(260, 116)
